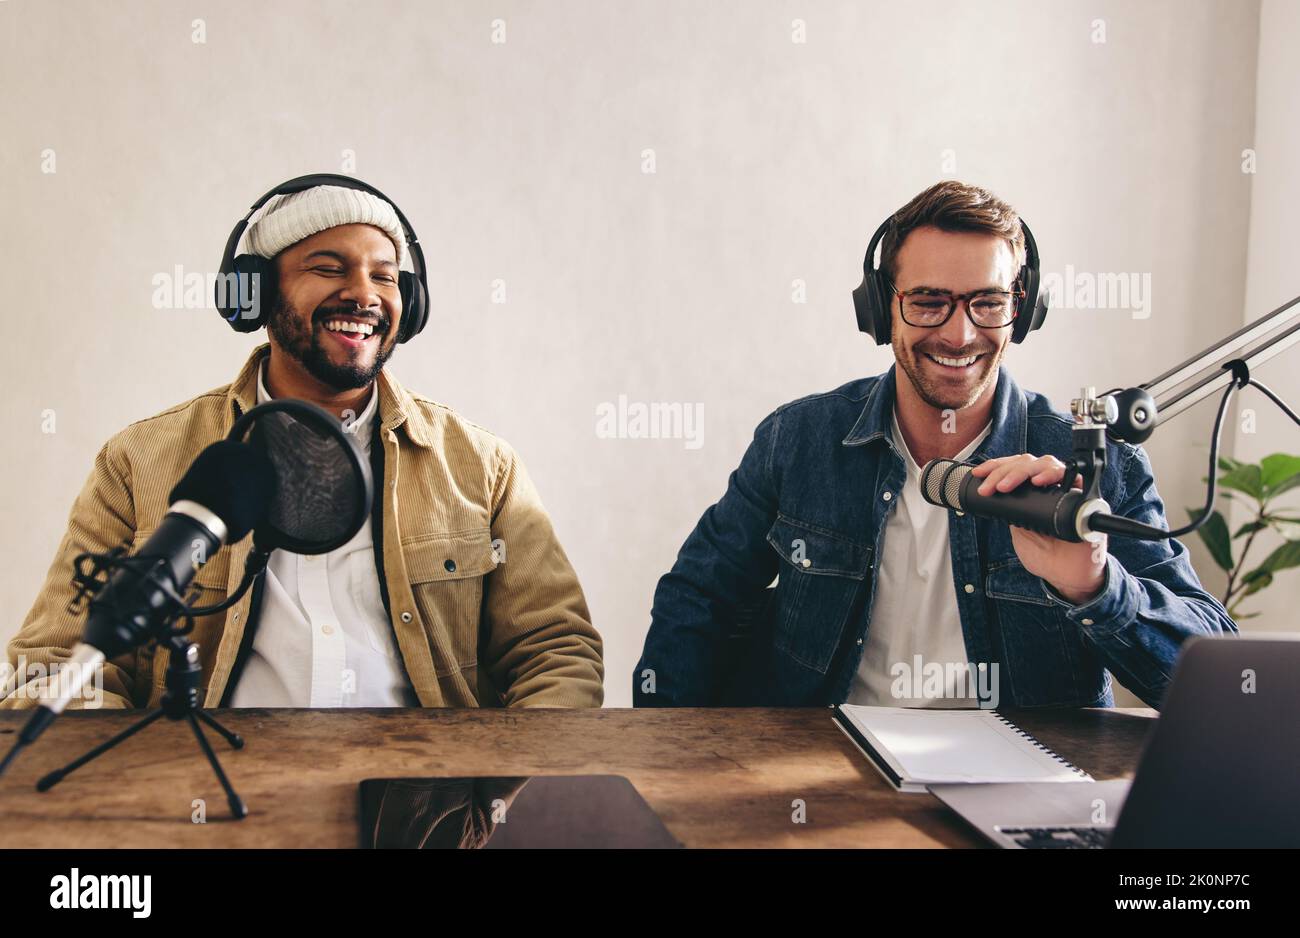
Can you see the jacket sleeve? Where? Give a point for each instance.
(1152, 600)
(541, 646)
(103, 517)
(725, 561)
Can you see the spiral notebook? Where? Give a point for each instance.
(913, 748)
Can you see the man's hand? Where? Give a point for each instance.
(1076, 571)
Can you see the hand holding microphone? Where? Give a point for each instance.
(1051, 526)
(1075, 569)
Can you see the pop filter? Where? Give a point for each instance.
(323, 488)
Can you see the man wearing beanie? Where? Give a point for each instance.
(455, 593)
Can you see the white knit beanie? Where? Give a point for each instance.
(287, 219)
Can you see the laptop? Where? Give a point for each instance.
(503, 813)
(1221, 768)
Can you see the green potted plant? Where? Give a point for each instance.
(1256, 486)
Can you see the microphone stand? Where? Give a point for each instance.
(180, 700)
(1131, 415)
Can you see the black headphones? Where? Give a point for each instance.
(874, 296)
(232, 288)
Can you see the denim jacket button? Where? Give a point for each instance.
(970, 588)
(805, 562)
(887, 496)
(1087, 622)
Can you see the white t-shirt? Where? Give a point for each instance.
(323, 638)
(914, 609)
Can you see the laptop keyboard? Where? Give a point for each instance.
(1058, 838)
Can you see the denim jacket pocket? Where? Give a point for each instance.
(1045, 660)
(1008, 579)
(820, 577)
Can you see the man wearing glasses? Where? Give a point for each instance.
(822, 576)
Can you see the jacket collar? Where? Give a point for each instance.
(1009, 414)
(396, 407)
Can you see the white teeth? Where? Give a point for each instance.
(343, 325)
(955, 362)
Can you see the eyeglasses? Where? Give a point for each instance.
(987, 309)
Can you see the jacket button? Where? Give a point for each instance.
(449, 565)
(1087, 622)
(970, 588)
(887, 496)
(406, 617)
(805, 562)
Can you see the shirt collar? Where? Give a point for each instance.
(363, 421)
(1009, 417)
(396, 407)
(360, 424)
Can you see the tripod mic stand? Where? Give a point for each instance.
(180, 701)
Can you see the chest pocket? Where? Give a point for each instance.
(446, 573)
(1008, 579)
(1045, 660)
(820, 576)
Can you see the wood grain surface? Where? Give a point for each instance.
(717, 778)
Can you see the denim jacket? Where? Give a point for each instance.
(821, 474)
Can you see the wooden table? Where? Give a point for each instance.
(717, 778)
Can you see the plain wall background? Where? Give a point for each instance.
(522, 162)
(1271, 280)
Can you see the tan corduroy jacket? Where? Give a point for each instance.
(476, 626)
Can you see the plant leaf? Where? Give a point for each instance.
(1227, 465)
(1256, 584)
(1286, 556)
(1215, 535)
(1285, 486)
(1250, 527)
(1246, 479)
(1278, 470)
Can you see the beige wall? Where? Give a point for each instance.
(1271, 280)
(523, 161)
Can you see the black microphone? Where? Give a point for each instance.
(1051, 509)
(225, 492)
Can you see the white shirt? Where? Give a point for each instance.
(323, 638)
(914, 609)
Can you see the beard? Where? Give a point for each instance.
(303, 343)
(954, 393)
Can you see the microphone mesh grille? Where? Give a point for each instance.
(952, 487)
(939, 486)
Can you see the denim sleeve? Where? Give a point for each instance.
(1152, 599)
(725, 561)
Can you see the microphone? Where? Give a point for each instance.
(1052, 509)
(225, 492)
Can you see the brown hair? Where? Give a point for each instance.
(952, 206)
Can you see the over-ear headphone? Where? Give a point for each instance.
(232, 286)
(874, 296)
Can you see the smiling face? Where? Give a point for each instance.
(338, 305)
(959, 262)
